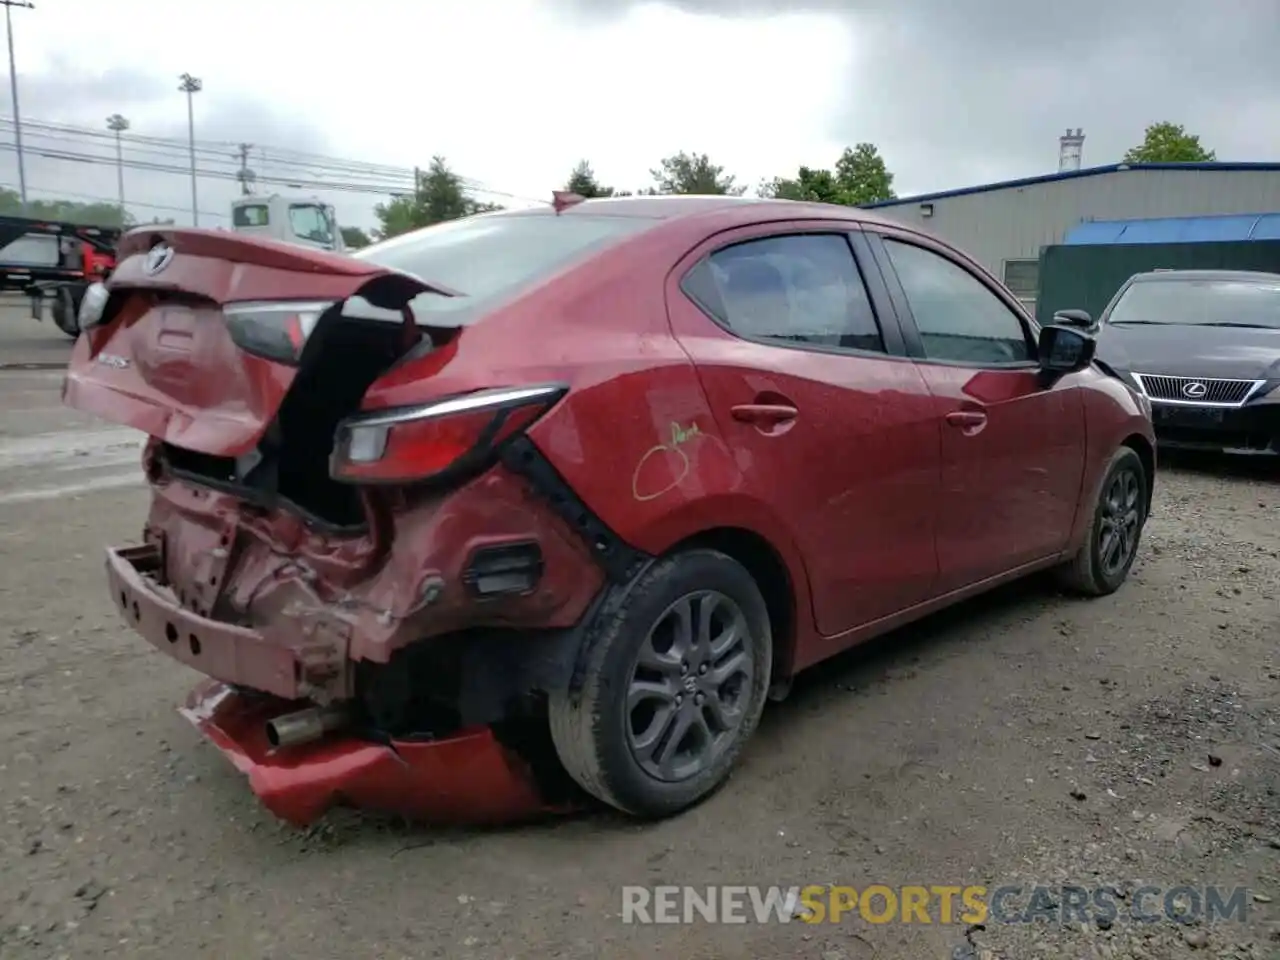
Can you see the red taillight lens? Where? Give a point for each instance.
(276, 330)
(412, 444)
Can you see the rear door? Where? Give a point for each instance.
(1013, 451)
(831, 425)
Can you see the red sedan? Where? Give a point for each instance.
(575, 489)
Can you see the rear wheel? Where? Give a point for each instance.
(1119, 515)
(675, 683)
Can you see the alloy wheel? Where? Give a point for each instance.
(1121, 521)
(690, 686)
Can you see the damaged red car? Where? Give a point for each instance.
(549, 501)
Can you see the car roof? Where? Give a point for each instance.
(1257, 275)
(680, 206)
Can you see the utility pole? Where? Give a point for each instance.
(190, 86)
(13, 87)
(244, 174)
(118, 125)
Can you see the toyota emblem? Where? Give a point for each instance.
(158, 257)
(1194, 390)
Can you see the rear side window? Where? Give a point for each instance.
(800, 289)
(492, 256)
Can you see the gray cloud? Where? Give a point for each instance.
(958, 93)
(955, 92)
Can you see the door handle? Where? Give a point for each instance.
(967, 419)
(764, 414)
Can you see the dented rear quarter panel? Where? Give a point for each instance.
(635, 437)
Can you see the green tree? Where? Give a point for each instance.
(863, 176)
(355, 238)
(583, 182)
(814, 186)
(67, 211)
(860, 176)
(1167, 142)
(439, 195)
(693, 173)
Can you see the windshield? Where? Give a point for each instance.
(488, 256)
(1201, 302)
(311, 222)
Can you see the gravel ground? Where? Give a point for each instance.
(1022, 739)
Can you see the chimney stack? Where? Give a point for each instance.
(1070, 150)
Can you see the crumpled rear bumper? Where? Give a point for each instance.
(465, 778)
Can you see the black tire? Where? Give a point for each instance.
(1094, 572)
(593, 731)
(66, 310)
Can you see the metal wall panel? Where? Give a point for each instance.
(1013, 223)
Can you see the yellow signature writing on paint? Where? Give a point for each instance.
(680, 436)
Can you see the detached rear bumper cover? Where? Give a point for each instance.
(466, 778)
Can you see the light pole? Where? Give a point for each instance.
(118, 125)
(191, 86)
(13, 87)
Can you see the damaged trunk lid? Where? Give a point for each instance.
(199, 335)
(241, 356)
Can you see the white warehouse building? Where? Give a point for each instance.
(1004, 225)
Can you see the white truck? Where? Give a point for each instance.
(307, 221)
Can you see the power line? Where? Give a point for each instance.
(155, 167)
(389, 179)
(67, 195)
(170, 154)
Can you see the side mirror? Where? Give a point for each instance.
(1065, 349)
(1074, 318)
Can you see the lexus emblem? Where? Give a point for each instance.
(1194, 390)
(158, 257)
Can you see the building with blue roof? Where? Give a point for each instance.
(1005, 225)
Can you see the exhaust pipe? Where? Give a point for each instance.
(305, 725)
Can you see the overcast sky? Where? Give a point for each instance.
(514, 92)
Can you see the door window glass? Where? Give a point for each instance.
(800, 288)
(959, 318)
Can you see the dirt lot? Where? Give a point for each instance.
(1023, 739)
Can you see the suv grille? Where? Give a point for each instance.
(1224, 393)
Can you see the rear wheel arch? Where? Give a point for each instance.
(773, 577)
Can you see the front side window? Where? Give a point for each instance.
(959, 318)
(802, 288)
(1200, 302)
(310, 222)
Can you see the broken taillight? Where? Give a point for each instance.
(411, 444)
(275, 330)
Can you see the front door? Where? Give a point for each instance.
(1013, 449)
(830, 423)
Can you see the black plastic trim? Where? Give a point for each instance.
(619, 560)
